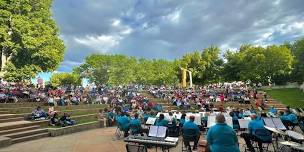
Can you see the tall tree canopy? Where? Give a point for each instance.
(298, 51)
(258, 64)
(122, 70)
(29, 39)
(65, 79)
(205, 66)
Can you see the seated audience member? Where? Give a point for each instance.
(135, 125)
(54, 121)
(273, 110)
(123, 123)
(221, 137)
(289, 119)
(161, 121)
(254, 125)
(74, 100)
(51, 101)
(51, 111)
(38, 114)
(61, 101)
(191, 131)
(65, 120)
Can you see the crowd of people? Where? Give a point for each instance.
(130, 110)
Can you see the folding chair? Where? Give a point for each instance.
(135, 130)
(192, 137)
(118, 133)
(136, 148)
(264, 133)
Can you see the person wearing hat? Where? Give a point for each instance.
(254, 125)
(188, 128)
(221, 137)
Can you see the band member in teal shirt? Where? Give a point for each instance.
(191, 130)
(162, 121)
(221, 137)
(123, 123)
(135, 125)
(264, 135)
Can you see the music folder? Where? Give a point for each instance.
(157, 131)
(274, 123)
(243, 123)
(150, 121)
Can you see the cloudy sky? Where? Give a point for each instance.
(170, 28)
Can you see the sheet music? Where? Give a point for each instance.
(198, 119)
(202, 114)
(226, 114)
(165, 114)
(211, 121)
(177, 115)
(153, 131)
(229, 121)
(247, 113)
(278, 123)
(161, 131)
(150, 121)
(269, 122)
(247, 118)
(243, 123)
(157, 116)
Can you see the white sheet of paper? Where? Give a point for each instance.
(247, 113)
(211, 121)
(161, 132)
(269, 122)
(153, 131)
(247, 118)
(150, 121)
(198, 119)
(229, 121)
(278, 123)
(243, 123)
(177, 115)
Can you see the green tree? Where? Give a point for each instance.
(258, 64)
(65, 79)
(29, 39)
(232, 67)
(298, 51)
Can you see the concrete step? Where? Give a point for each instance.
(4, 112)
(16, 124)
(6, 116)
(10, 131)
(26, 133)
(11, 119)
(31, 137)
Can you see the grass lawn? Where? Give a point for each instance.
(291, 97)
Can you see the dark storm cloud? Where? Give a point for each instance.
(170, 28)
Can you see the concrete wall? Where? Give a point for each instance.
(76, 128)
(5, 141)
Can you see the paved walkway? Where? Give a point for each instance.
(97, 140)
